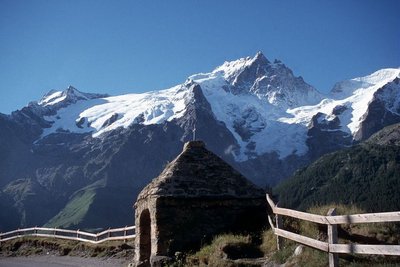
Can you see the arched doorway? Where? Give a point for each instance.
(145, 237)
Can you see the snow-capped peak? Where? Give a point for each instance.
(379, 78)
(231, 69)
(52, 97)
(272, 82)
(102, 114)
(70, 95)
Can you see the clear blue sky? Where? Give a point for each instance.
(120, 47)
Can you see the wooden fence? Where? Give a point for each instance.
(332, 220)
(123, 233)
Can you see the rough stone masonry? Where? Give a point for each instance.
(197, 196)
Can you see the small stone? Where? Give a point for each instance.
(159, 261)
(298, 250)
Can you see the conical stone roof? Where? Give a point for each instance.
(199, 173)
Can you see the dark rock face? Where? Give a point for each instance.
(383, 111)
(273, 81)
(328, 133)
(9, 216)
(199, 116)
(244, 80)
(274, 168)
(110, 120)
(389, 136)
(247, 125)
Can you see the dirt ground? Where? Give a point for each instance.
(60, 261)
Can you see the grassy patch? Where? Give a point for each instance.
(373, 233)
(310, 257)
(365, 233)
(225, 250)
(283, 255)
(228, 250)
(77, 207)
(268, 245)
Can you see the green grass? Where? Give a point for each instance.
(214, 253)
(309, 257)
(283, 255)
(268, 245)
(76, 209)
(223, 251)
(373, 233)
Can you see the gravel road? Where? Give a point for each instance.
(57, 261)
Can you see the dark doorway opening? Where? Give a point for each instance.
(145, 236)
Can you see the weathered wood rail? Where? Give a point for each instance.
(124, 233)
(332, 220)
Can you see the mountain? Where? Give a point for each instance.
(74, 159)
(367, 175)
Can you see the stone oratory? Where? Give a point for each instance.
(197, 196)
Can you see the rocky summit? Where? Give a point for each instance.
(79, 160)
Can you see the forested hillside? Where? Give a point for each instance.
(367, 175)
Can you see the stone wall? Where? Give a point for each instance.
(186, 224)
(141, 206)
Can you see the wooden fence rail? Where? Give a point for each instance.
(332, 220)
(124, 233)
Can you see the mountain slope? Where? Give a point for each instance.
(367, 175)
(85, 157)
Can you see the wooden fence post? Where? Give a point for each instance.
(332, 239)
(279, 225)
